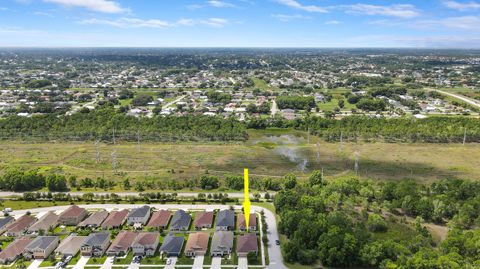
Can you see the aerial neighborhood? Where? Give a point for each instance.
(140, 235)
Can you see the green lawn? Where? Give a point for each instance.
(97, 260)
(126, 260)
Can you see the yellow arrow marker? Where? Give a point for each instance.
(246, 199)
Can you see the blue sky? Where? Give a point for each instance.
(240, 23)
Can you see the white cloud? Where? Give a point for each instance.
(401, 11)
(460, 23)
(333, 22)
(462, 6)
(41, 13)
(219, 4)
(129, 23)
(105, 6)
(155, 23)
(297, 5)
(287, 18)
(215, 22)
(465, 22)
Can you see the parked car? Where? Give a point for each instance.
(277, 242)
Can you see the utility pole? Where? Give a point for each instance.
(318, 151)
(465, 136)
(97, 151)
(341, 141)
(357, 156)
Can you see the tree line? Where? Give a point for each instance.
(340, 223)
(107, 123)
(362, 128)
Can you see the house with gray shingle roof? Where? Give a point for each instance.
(96, 244)
(94, 220)
(180, 221)
(4, 222)
(41, 247)
(172, 245)
(139, 215)
(70, 246)
(47, 221)
(222, 243)
(225, 220)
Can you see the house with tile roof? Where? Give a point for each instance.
(160, 219)
(70, 246)
(247, 243)
(203, 220)
(20, 226)
(122, 243)
(197, 244)
(115, 219)
(14, 250)
(252, 223)
(72, 216)
(146, 243)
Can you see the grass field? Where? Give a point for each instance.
(263, 154)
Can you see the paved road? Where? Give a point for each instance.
(167, 105)
(460, 97)
(275, 254)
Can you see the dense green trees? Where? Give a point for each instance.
(296, 102)
(102, 123)
(339, 223)
(219, 97)
(56, 183)
(142, 100)
(14, 179)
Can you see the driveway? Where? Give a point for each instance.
(81, 263)
(108, 263)
(242, 263)
(216, 263)
(172, 264)
(198, 262)
(35, 264)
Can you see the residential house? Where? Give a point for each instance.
(14, 250)
(41, 247)
(94, 220)
(247, 243)
(45, 223)
(203, 220)
(20, 226)
(225, 220)
(4, 223)
(160, 219)
(252, 222)
(115, 220)
(222, 243)
(197, 244)
(70, 246)
(146, 244)
(122, 243)
(95, 245)
(72, 215)
(180, 221)
(139, 216)
(172, 245)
